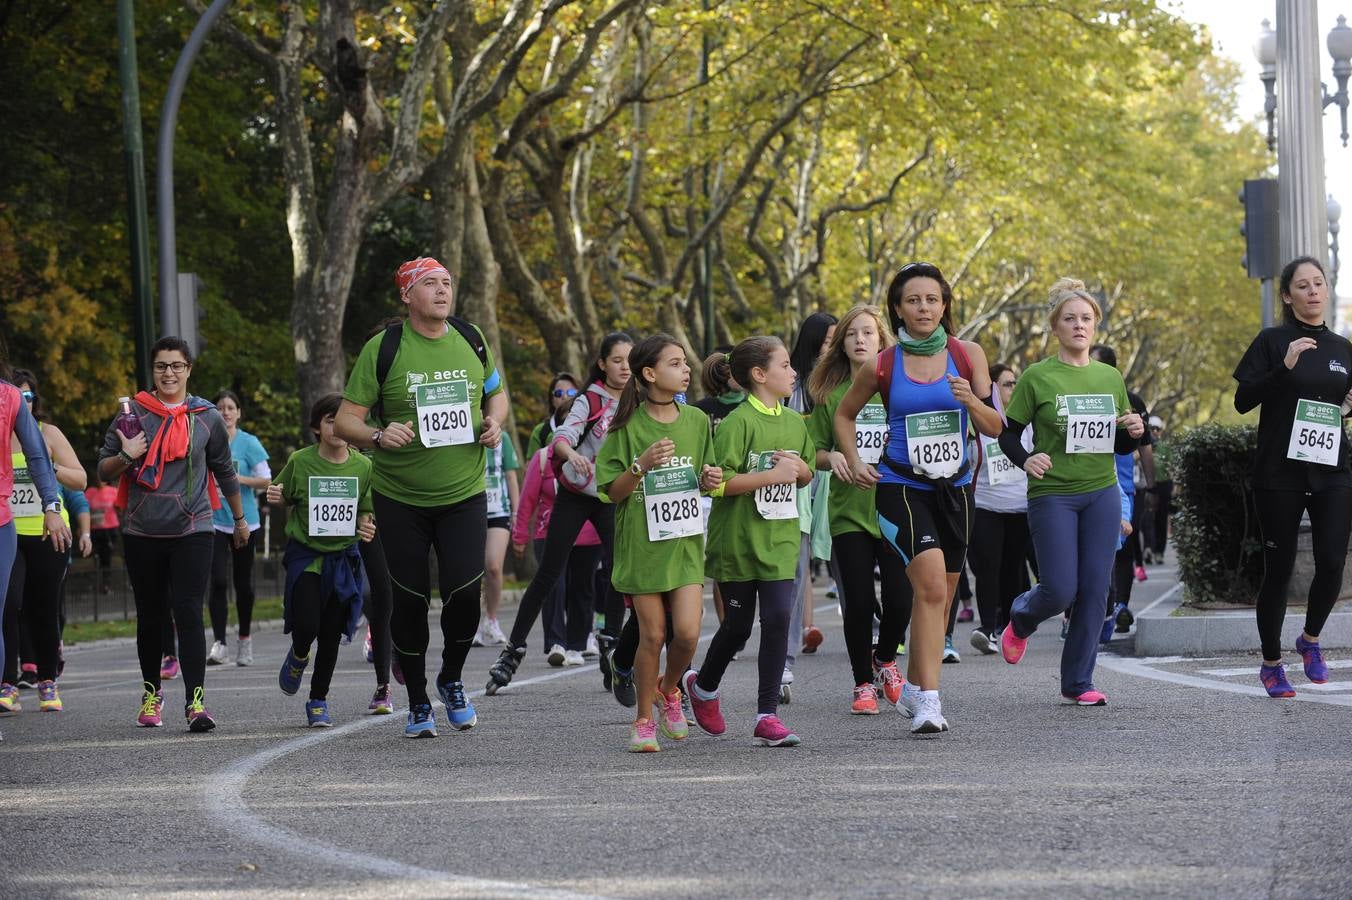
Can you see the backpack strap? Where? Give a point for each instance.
(389, 349)
(471, 336)
(883, 369)
(960, 358)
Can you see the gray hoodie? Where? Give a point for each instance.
(589, 443)
(179, 506)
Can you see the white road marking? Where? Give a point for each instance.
(1136, 667)
(1250, 670)
(1160, 599)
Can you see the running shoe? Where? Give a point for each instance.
(1106, 632)
(459, 711)
(369, 649)
(49, 699)
(592, 650)
(382, 704)
(28, 676)
(901, 649)
(289, 676)
(670, 716)
(479, 637)
(770, 732)
(983, 642)
(168, 668)
(865, 700)
(1315, 668)
(244, 652)
(787, 677)
(908, 704)
(951, 652)
(888, 679)
(812, 639)
(1012, 646)
(965, 614)
(218, 653)
(643, 737)
(1139, 571)
(929, 716)
(706, 712)
(317, 714)
(199, 717)
(152, 701)
(1274, 680)
(603, 662)
(422, 721)
(1124, 619)
(573, 658)
(556, 656)
(622, 684)
(1090, 697)
(832, 592)
(494, 634)
(9, 700)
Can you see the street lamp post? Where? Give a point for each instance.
(1335, 212)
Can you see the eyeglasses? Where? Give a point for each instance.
(27, 395)
(178, 368)
(565, 392)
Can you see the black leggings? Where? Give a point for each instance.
(315, 617)
(170, 574)
(225, 562)
(565, 522)
(1279, 514)
(855, 553)
(457, 533)
(567, 612)
(34, 606)
(998, 556)
(739, 605)
(377, 605)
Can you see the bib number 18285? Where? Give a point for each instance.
(333, 506)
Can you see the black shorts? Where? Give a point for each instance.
(912, 522)
(503, 522)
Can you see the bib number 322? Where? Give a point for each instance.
(1316, 433)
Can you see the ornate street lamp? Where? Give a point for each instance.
(1340, 48)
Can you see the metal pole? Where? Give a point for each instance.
(164, 175)
(138, 222)
(1300, 149)
(1269, 313)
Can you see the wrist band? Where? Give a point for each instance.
(239, 518)
(122, 455)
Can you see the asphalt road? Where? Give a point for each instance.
(1185, 785)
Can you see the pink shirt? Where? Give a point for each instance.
(102, 512)
(537, 502)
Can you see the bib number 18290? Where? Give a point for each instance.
(443, 410)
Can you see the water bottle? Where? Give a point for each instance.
(127, 421)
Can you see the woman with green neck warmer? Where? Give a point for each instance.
(722, 394)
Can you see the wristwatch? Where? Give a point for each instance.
(54, 506)
(636, 470)
(377, 435)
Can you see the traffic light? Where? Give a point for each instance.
(1259, 196)
(190, 313)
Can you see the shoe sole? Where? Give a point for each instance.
(321, 724)
(50, 708)
(791, 741)
(955, 658)
(864, 712)
(644, 748)
(380, 711)
(149, 724)
(426, 733)
(465, 726)
(200, 726)
(1075, 701)
(929, 726)
(556, 661)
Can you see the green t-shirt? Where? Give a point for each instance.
(743, 545)
(342, 493)
(537, 439)
(438, 385)
(1040, 400)
(500, 460)
(643, 565)
(849, 508)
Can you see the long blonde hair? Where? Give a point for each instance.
(834, 367)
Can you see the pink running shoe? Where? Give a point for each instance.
(1087, 698)
(169, 668)
(643, 737)
(151, 704)
(1011, 645)
(1140, 573)
(888, 679)
(671, 717)
(707, 714)
(772, 733)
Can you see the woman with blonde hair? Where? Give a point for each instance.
(1080, 416)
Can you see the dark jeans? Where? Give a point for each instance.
(998, 557)
(739, 605)
(228, 563)
(169, 575)
(33, 605)
(854, 554)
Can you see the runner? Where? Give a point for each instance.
(328, 488)
(1155, 534)
(559, 400)
(931, 383)
(1000, 547)
(435, 393)
(575, 444)
(1298, 372)
(754, 542)
(856, 543)
(33, 607)
(1080, 416)
(655, 463)
(177, 446)
(228, 564)
(103, 520)
(722, 394)
(504, 496)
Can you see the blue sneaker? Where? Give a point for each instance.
(459, 711)
(288, 679)
(1106, 634)
(422, 722)
(317, 714)
(1315, 668)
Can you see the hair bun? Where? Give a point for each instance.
(1065, 284)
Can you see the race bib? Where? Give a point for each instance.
(1091, 423)
(1316, 434)
(497, 501)
(24, 502)
(774, 501)
(444, 418)
(671, 503)
(999, 468)
(870, 433)
(934, 443)
(333, 506)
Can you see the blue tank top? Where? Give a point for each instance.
(908, 397)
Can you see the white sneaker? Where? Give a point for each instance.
(556, 656)
(480, 638)
(929, 717)
(593, 650)
(909, 701)
(573, 658)
(244, 654)
(493, 634)
(787, 677)
(218, 654)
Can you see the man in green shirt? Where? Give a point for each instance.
(440, 404)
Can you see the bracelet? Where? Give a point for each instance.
(239, 518)
(122, 455)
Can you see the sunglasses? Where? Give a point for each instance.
(565, 392)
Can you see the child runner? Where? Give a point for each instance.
(504, 494)
(754, 539)
(328, 487)
(1080, 416)
(656, 461)
(856, 543)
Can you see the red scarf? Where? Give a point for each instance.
(171, 443)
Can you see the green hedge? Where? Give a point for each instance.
(1215, 530)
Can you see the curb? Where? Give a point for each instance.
(1160, 633)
